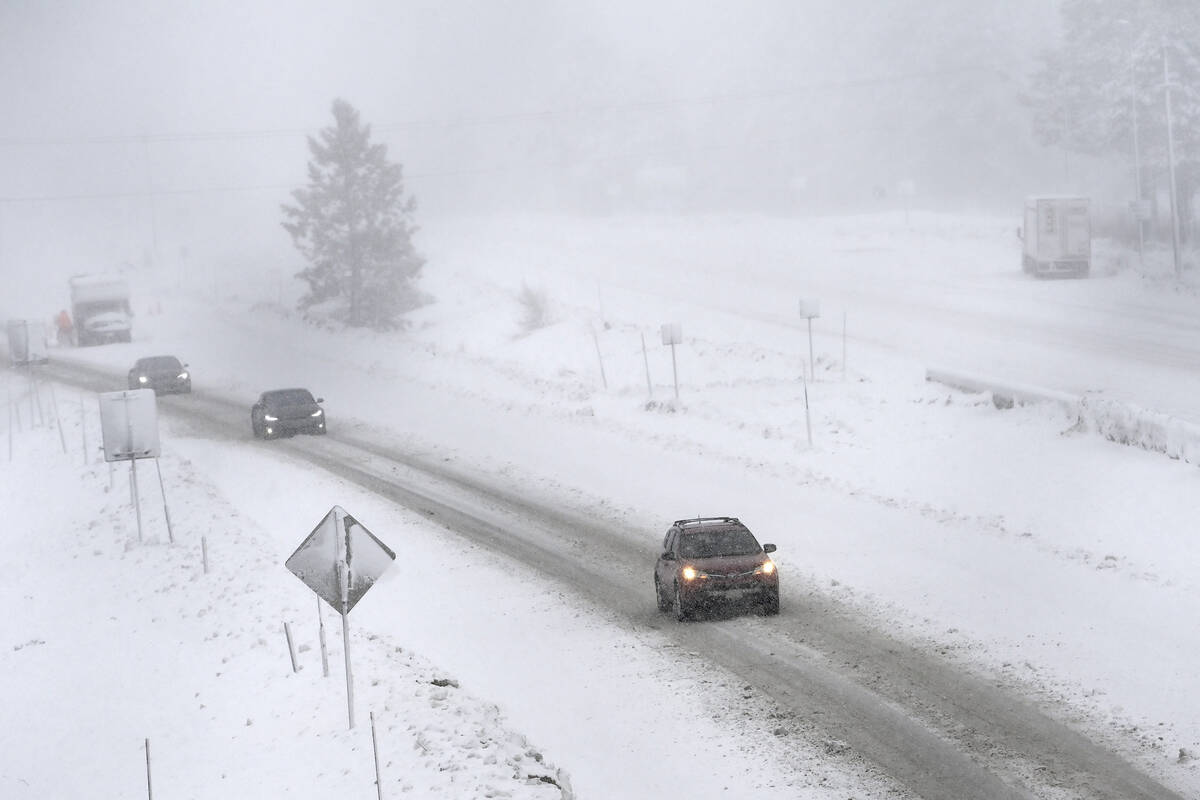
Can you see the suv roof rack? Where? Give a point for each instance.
(701, 520)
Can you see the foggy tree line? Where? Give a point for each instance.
(1107, 73)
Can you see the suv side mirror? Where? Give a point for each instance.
(668, 556)
(320, 399)
(768, 548)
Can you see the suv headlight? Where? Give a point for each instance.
(318, 413)
(143, 379)
(766, 568)
(270, 418)
(689, 573)
(182, 376)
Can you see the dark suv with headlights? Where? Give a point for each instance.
(286, 412)
(163, 374)
(709, 559)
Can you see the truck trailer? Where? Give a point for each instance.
(26, 342)
(1057, 237)
(100, 307)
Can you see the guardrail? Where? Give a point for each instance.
(1114, 420)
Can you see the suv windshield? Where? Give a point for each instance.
(163, 363)
(710, 544)
(290, 397)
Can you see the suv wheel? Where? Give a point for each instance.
(770, 603)
(682, 611)
(664, 602)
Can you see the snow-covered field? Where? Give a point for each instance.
(1015, 541)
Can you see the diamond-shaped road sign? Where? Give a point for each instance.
(340, 545)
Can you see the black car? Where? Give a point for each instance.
(710, 559)
(163, 374)
(286, 412)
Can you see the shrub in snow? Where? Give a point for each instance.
(1149, 430)
(535, 309)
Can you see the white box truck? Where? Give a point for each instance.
(1057, 237)
(100, 307)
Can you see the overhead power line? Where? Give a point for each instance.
(504, 118)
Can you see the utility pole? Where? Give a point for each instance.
(150, 199)
(1137, 159)
(1171, 162)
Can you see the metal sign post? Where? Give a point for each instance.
(672, 334)
(340, 560)
(344, 579)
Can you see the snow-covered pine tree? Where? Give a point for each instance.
(1109, 60)
(354, 227)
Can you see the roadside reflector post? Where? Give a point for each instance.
(166, 511)
(57, 419)
(843, 346)
(149, 785)
(807, 418)
(204, 552)
(375, 750)
(646, 359)
(600, 358)
(810, 309)
(287, 632)
(672, 334)
(321, 636)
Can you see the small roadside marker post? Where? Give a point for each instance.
(287, 632)
(166, 511)
(375, 750)
(321, 635)
(843, 347)
(807, 418)
(57, 419)
(672, 334)
(810, 310)
(646, 359)
(600, 358)
(149, 785)
(83, 428)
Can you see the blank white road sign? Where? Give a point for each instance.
(129, 424)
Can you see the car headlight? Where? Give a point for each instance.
(318, 413)
(182, 376)
(270, 418)
(766, 568)
(143, 379)
(689, 573)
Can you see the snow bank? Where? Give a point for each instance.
(1149, 430)
(1114, 420)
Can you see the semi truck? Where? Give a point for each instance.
(100, 308)
(1057, 237)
